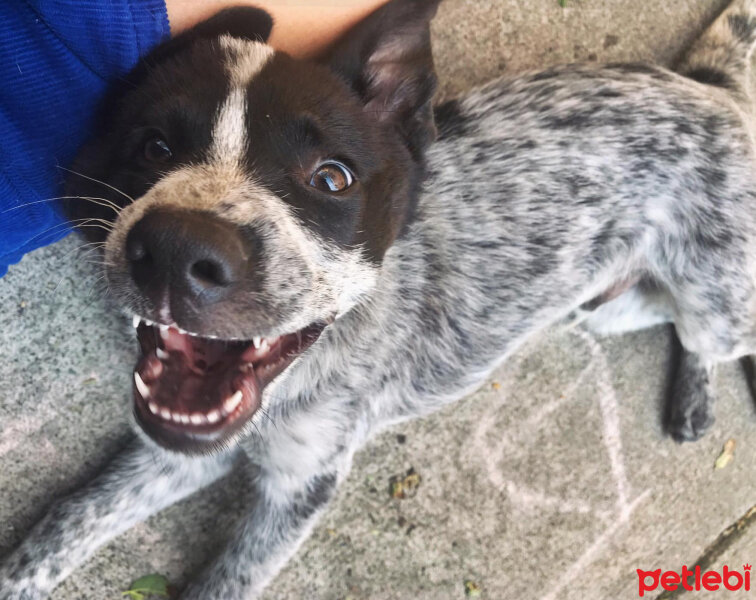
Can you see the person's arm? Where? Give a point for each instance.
(302, 28)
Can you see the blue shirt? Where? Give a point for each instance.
(57, 58)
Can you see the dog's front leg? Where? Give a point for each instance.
(284, 512)
(138, 483)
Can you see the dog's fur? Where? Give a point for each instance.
(626, 189)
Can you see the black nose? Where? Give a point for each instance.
(186, 253)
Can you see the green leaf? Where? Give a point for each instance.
(155, 584)
(563, 3)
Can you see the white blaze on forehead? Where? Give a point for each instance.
(230, 131)
(245, 59)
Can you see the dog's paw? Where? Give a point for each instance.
(691, 410)
(689, 422)
(691, 402)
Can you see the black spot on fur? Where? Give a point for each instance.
(742, 27)
(318, 494)
(607, 93)
(450, 120)
(711, 77)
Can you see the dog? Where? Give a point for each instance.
(313, 253)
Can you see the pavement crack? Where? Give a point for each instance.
(717, 548)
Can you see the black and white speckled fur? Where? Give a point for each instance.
(544, 191)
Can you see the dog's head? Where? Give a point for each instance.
(257, 195)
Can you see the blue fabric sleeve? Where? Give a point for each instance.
(57, 58)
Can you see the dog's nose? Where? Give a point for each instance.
(186, 253)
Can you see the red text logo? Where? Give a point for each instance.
(728, 579)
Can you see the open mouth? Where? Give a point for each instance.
(193, 393)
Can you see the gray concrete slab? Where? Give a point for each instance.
(554, 481)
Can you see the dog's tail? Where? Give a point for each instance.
(722, 55)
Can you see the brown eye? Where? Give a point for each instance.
(332, 176)
(156, 150)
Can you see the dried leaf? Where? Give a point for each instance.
(472, 589)
(402, 487)
(727, 455)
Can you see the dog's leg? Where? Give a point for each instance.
(690, 404)
(690, 408)
(720, 57)
(138, 483)
(284, 512)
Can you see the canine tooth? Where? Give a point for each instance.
(232, 402)
(153, 408)
(165, 413)
(264, 346)
(197, 419)
(135, 320)
(161, 354)
(149, 323)
(256, 341)
(213, 416)
(141, 386)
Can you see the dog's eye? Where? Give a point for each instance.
(156, 150)
(332, 176)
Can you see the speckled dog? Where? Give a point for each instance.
(308, 267)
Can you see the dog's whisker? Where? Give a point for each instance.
(104, 202)
(95, 180)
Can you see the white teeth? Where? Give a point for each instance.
(161, 354)
(197, 419)
(148, 323)
(213, 416)
(163, 327)
(181, 331)
(176, 418)
(153, 408)
(135, 320)
(164, 333)
(264, 346)
(256, 341)
(165, 413)
(232, 402)
(185, 419)
(141, 386)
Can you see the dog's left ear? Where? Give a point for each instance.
(387, 60)
(243, 22)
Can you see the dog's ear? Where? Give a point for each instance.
(387, 61)
(241, 22)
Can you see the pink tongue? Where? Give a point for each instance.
(197, 374)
